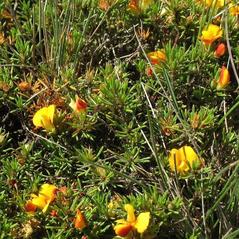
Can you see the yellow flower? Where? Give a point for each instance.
(48, 191)
(224, 79)
(44, 118)
(183, 160)
(80, 222)
(156, 57)
(233, 9)
(46, 195)
(212, 33)
(78, 105)
(140, 224)
(214, 3)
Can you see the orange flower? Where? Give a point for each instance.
(140, 224)
(211, 34)
(220, 50)
(78, 105)
(224, 79)
(234, 9)
(156, 57)
(80, 222)
(46, 195)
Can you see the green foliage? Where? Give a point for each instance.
(111, 147)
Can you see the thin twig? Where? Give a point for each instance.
(47, 140)
(225, 114)
(154, 115)
(34, 95)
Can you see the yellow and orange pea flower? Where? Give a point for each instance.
(44, 118)
(78, 105)
(224, 79)
(156, 57)
(211, 34)
(220, 50)
(214, 3)
(80, 221)
(184, 160)
(132, 223)
(234, 9)
(46, 195)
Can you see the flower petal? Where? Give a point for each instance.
(123, 229)
(142, 222)
(46, 206)
(156, 57)
(190, 156)
(211, 33)
(80, 221)
(44, 118)
(234, 10)
(48, 191)
(224, 79)
(130, 213)
(39, 202)
(37, 118)
(51, 112)
(30, 207)
(220, 50)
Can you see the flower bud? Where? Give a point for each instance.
(224, 79)
(220, 50)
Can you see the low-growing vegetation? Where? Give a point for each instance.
(119, 119)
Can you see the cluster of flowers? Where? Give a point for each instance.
(48, 193)
(214, 32)
(182, 161)
(46, 196)
(209, 35)
(139, 6)
(233, 9)
(44, 118)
